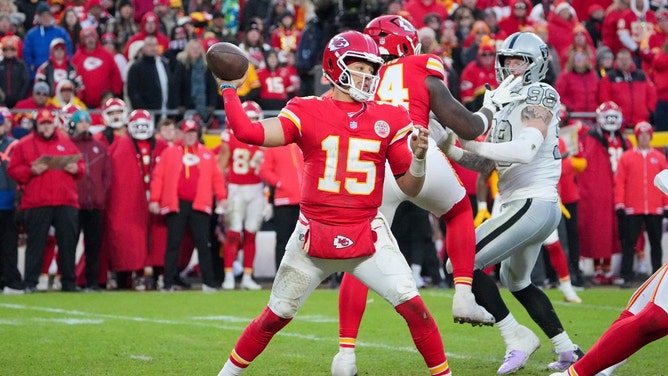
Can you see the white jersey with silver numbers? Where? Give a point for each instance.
(539, 177)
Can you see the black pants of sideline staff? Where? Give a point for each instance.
(9, 272)
(90, 222)
(198, 222)
(65, 219)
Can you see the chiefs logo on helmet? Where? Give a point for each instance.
(341, 242)
(337, 43)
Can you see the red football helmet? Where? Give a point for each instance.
(114, 113)
(65, 115)
(340, 51)
(609, 116)
(140, 125)
(394, 35)
(253, 110)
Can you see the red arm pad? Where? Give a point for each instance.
(245, 130)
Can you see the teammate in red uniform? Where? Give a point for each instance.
(416, 82)
(245, 200)
(346, 140)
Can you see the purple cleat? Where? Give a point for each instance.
(566, 359)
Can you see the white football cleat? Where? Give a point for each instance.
(466, 310)
(247, 283)
(43, 283)
(343, 364)
(518, 350)
(569, 293)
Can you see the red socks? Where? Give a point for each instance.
(558, 259)
(231, 247)
(256, 337)
(249, 249)
(460, 240)
(352, 303)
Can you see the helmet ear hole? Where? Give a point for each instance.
(344, 79)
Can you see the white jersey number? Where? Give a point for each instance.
(243, 161)
(391, 88)
(543, 96)
(354, 163)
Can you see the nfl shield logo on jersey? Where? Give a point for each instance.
(341, 242)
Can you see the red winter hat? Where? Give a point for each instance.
(643, 126)
(44, 116)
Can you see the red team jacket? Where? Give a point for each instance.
(284, 164)
(634, 182)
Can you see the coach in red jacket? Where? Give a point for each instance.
(641, 201)
(49, 197)
(182, 187)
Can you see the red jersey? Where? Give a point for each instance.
(402, 82)
(245, 160)
(274, 85)
(345, 146)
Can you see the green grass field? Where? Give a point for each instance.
(191, 333)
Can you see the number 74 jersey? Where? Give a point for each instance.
(345, 146)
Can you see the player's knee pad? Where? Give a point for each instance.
(512, 280)
(289, 290)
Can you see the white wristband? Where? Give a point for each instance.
(482, 205)
(417, 167)
(485, 121)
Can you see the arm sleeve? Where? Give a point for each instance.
(245, 130)
(520, 150)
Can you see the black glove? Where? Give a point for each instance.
(620, 213)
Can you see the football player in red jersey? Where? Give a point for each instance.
(245, 200)
(346, 140)
(416, 82)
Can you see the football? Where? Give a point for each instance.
(226, 61)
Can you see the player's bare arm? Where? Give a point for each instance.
(223, 156)
(453, 114)
(476, 162)
(538, 117)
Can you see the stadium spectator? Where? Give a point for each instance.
(114, 115)
(315, 258)
(38, 39)
(95, 16)
(572, 164)
(530, 205)
(283, 169)
(635, 28)
(594, 23)
(167, 131)
(477, 74)
(29, 9)
(219, 30)
(601, 146)
(194, 87)
(605, 61)
(285, 37)
(70, 22)
(241, 164)
(123, 24)
(249, 90)
(518, 18)
(93, 189)
(149, 80)
(49, 197)
(659, 76)
(109, 42)
(630, 88)
(472, 42)
(580, 43)
(610, 35)
(64, 95)
(491, 19)
(252, 42)
(182, 186)
(58, 67)
(38, 100)
(274, 83)
(133, 237)
(177, 43)
(148, 26)
(254, 9)
(14, 76)
(10, 278)
(560, 25)
(97, 68)
(577, 85)
(419, 9)
(641, 203)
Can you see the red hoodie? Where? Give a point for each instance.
(163, 41)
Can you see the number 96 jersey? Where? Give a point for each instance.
(537, 178)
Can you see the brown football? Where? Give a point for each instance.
(227, 61)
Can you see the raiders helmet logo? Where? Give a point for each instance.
(341, 242)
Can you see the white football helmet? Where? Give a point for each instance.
(114, 113)
(140, 125)
(527, 46)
